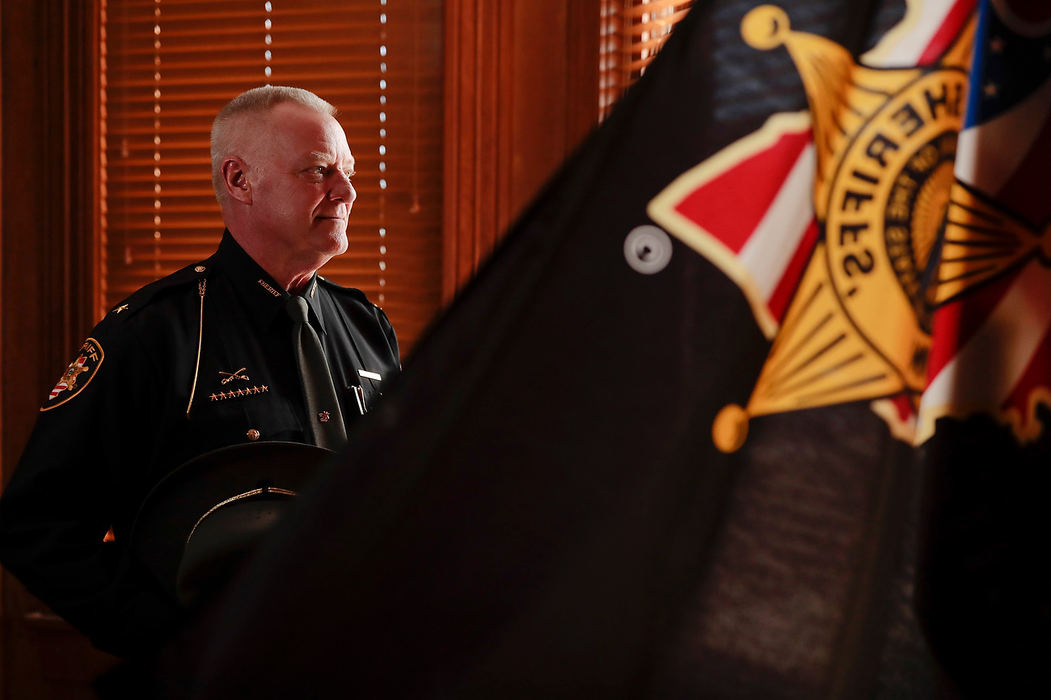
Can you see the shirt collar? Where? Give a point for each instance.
(264, 297)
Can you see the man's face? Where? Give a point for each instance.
(300, 167)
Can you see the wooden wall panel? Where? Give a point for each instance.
(521, 92)
(47, 244)
(3, 471)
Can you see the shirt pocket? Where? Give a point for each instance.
(249, 413)
(363, 389)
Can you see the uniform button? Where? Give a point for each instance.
(253, 434)
(199, 268)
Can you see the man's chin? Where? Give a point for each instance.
(335, 233)
(337, 243)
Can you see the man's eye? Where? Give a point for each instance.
(349, 173)
(318, 170)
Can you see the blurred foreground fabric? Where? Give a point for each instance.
(662, 445)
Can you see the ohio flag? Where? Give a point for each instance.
(991, 347)
(983, 589)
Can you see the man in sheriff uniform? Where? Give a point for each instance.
(199, 360)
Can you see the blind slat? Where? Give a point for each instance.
(655, 7)
(631, 33)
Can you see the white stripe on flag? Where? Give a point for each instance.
(903, 45)
(772, 245)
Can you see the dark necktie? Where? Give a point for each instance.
(326, 421)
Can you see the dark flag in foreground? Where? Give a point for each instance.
(660, 446)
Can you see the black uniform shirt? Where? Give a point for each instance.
(199, 360)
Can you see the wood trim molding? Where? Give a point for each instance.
(521, 88)
(48, 213)
(3, 635)
(48, 234)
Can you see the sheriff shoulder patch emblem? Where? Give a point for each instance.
(77, 376)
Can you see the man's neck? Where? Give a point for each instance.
(299, 284)
(292, 275)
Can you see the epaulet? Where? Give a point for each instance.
(140, 299)
(340, 290)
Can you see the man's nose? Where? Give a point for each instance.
(343, 189)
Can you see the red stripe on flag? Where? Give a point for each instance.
(957, 322)
(731, 205)
(902, 406)
(947, 32)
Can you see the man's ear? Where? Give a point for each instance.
(235, 180)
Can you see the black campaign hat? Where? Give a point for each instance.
(195, 526)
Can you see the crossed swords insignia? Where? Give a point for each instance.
(230, 376)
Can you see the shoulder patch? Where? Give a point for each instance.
(77, 376)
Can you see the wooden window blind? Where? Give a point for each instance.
(168, 66)
(631, 34)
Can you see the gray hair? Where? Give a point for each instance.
(255, 101)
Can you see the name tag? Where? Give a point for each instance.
(369, 375)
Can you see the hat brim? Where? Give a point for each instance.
(177, 503)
